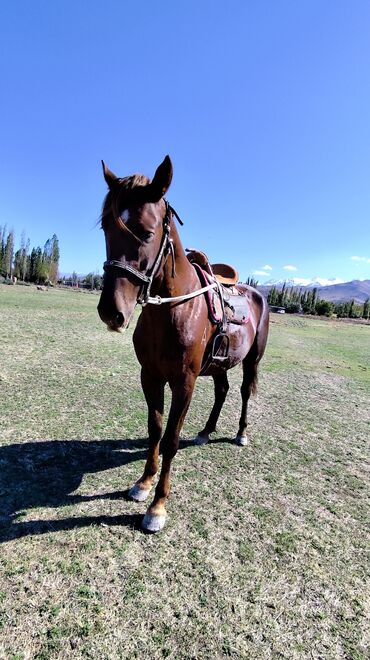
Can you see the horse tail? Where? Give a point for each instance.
(250, 363)
(262, 328)
(253, 371)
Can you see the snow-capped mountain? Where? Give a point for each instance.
(336, 291)
(302, 281)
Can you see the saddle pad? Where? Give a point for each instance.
(236, 305)
(237, 309)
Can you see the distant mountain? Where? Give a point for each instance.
(303, 281)
(357, 290)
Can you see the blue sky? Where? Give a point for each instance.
(264, 108)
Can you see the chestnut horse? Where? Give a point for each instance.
(147, 264)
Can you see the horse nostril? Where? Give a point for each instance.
(119, 320)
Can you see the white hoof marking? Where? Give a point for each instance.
(138, 494)
(241, 440)
(199, 440)
(153, 523)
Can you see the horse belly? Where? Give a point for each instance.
(241, 339)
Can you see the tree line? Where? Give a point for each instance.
(297, 301)
(29, 265)
(89, 281)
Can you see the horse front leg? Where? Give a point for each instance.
(155, 517)
(154, 394)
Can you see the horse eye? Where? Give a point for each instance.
(125, 216)
(148, 236)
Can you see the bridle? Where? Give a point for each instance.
(146, 279)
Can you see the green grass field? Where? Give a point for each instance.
(264, 551)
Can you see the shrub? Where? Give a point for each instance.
(324, 308)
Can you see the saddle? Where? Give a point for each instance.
(227, 304)
(225, 274)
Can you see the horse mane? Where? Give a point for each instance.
(122, 192)
(133, 181)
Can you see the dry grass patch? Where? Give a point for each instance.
(264, 554)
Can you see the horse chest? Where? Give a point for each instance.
(165, 346)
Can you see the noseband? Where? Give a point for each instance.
(146, 279)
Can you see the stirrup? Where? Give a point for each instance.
(220, 347)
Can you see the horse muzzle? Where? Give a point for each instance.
(116, 321)
(117, 303)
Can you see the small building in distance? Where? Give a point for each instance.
(276, 309)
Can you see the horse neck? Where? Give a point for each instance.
(179, 277)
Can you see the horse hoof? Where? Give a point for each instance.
(138, 494)
(199, 440)
(241, 440)
(153, 523)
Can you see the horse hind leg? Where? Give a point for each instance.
(221, 384)
(249, 386)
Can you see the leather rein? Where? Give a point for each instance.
(146, 279)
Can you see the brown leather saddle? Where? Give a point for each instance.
(227, 304)
(228, 301)
(225, 274)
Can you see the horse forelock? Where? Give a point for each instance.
(133, 181)
(126, 191)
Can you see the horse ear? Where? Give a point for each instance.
(108, 175)
(162, 179)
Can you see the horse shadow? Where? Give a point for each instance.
(46, 474)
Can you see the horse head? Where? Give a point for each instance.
(135, 220)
